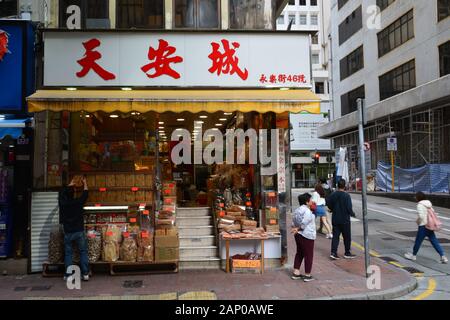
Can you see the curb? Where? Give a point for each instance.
(388, 294)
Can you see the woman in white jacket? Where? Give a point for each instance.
(422, 210)
(304, 229)
(318, 197)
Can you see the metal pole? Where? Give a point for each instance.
(392, 171)
(364, 183)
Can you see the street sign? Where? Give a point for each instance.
(391, 144)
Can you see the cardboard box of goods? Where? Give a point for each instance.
(100, 181)
(170, 200)
(139, 180)
(110, 180)
(160, 232)
(129, 180)
(166, 241)
(120, 180)
(148, 180)
(172, 231)
(170, 208)
(251, 223)
(233, 213)
(166, 254)
(229, 218)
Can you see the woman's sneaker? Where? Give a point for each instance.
(410, 256)
(334, 256)
(308, 278)
(349, 256)
(444, 259)
(329, 236)
(297, 277)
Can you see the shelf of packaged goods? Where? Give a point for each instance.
(93, 173)
(106, 189)
(98, 205)
(103, 224)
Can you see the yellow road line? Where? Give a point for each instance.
(360, 247)
(396, 264)
(428, 292)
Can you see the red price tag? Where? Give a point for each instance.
(98, 205)
(221, 205)
(273, 209)
(271, 194)
(142, 205)
(273, 221)
(133, 220)
(144, 234)
(146, 212)
(171, 185)
(109, 233)
(91, 235)
(102, 189)
(167, 191)
(222, 213)
(168, 201)
(126, 234)
(134, 189)
(248, 204)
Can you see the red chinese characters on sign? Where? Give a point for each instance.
(89, 61)
(162, 59)
(4, 40)
(282, 78)
(226, 62)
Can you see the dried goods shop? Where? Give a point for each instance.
(116, 106)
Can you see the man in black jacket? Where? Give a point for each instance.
(340, 203)
(71, 214)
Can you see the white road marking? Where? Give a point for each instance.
(389, 214)
(445, 218)
(446, 230)
(354, 219)
(410, 210)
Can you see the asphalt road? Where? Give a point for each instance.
(392, 231)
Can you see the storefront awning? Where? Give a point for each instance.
(175, 101)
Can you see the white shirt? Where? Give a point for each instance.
(305, 220)
(318, 199)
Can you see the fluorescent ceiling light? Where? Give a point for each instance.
(219, 124)
(71, 89)
(180, 119)
(113, 116)
(223, 119)
(199, 122)
(203, 117)
(127, 89)
(228, 113)
(161, 122)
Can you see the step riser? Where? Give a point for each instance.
(181, 212)
(206, 221)
(196, 232)
(197, 242)
(198, 265)
(200, 252)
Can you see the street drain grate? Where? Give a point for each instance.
(388, 259)
(412, 270)
(20, 288)
(407, 233)
(442, 240)
(387, 239)
(40, 288)
(133, 284)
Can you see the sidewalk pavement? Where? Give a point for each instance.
(343, 279)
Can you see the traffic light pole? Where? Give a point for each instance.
(362, 167)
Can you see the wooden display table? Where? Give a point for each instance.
(227, 245)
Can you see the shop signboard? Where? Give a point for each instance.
(304, 132)
(176, 59)
(16, 64)
(281, 162)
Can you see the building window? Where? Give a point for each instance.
(399, 80)
(351, 25)
(303, 19)
(314, 3)
(8, 8)
(352, 63)
(349, 100)
(383, 4)
(302, 2)
(315, 39)
(315, 59)
(443, 9)
(292, 2)
(94, 14)
(250, 14)
(314, 20)
(444, 58)
(320, 87)
(197, 14)
(396, 34)
(341, 3)
(140, 14)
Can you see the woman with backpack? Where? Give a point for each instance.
(428, 223)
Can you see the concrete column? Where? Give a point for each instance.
(168, 12)
(112, 13)
(225, 14)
